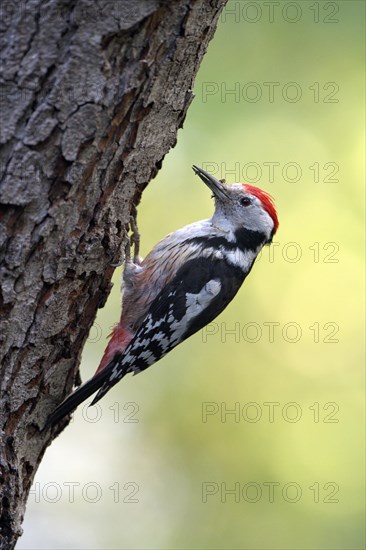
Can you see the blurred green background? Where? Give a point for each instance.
(163, 463)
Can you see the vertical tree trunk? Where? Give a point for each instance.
(92, 96)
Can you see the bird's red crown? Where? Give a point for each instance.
(267, 202)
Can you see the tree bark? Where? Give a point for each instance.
(92, 95)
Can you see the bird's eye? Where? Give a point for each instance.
(245, 201)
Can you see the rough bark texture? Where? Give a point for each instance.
(92, 95)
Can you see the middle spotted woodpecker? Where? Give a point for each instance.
(183, 284)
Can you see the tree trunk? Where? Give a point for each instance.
(92, 96)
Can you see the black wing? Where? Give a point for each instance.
(199, 292)
(203, 287)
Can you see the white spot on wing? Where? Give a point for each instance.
(115, 372)
(195, 304)
(163, 340)
(147, 356)
(152, 325)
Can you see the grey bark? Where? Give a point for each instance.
(92, 95)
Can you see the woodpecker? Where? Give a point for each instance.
(183, 284)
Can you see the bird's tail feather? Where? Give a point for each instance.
(77, 397)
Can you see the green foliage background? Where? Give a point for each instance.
(311, 277)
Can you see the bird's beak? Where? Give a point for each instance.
(217, 187)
